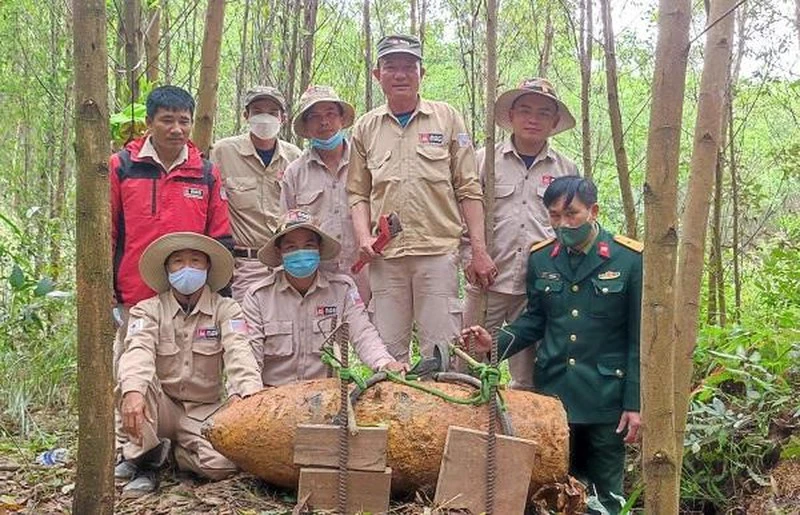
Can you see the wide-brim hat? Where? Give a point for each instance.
(152, 265)
(293, 219)
(314, 95)
(535, 86)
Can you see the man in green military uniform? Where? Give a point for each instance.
(584, 291)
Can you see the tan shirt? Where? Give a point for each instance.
(148, 150)
(186, 353)
(520, 218)
(421, 171)
(307, 184)
(287, 330)
(252, 188)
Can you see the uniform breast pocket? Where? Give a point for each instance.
(611, 371)
(168, 359)
(434, 163)
(504, 201)
(207, 356)
(378, 166)
(317, 336)
(310, 200)
(278, 340)
(550, 291)
(609, 299)
(242, 192)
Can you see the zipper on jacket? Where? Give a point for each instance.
(153, 198)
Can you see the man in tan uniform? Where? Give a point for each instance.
(170, 375)
(415, 157)
(252, 165)
(290, 313)
(316, 181)
(525, 165)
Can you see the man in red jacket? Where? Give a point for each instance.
(160, 184)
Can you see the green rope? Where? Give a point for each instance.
(488, 375)
(344, 373)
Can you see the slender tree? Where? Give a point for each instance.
(736, 219)
(209, 75)
(309, 30)
(585, 45)
(243, 63)
(152, 38)
(412, 16)
(367, 56)
(133, 46)
(694, 222)
(546, 48)
(615, 114)
(659, 453)
(94, 491)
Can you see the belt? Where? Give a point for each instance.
(243, 252)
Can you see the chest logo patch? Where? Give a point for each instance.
(547, 179)
(325, 311)
(431, 138)
(196, 193)
(608, 275)
(207, 333)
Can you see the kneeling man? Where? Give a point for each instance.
(171, 373)
(289, 314)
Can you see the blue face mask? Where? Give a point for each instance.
(188, 280)
(301, 263)
(330, 143)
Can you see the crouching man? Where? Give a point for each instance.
(289, 314)
(171, 373)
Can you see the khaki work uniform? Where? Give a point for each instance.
(309, 185)
(421, 171)
(287, 329)
(176, 361)
(253, 190)
(520, 220)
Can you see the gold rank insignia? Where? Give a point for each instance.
(610, 274)
(636, 246)
(542, 244)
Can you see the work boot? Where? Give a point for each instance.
(144, 482)
(156, 457)
(125, 469)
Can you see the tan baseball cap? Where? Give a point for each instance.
(152, 264)
(314, 95)
(293, 219)
(259, 92)
(399, 44)
(535, 86)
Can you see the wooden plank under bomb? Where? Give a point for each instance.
(258, 433)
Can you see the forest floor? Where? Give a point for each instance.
(29, 488)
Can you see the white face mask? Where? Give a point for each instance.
(264, 126)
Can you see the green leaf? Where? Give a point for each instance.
(17, 278)
(44, 286)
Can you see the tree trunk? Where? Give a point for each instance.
(547, 45)
(133, 47)
(585, 51)
(615, 114)
(708, 132)
(735, 244)
(660, 461)
(209, 75)
(422, 23)
(60, 193)
(291, 68)
(152, 38)
(367, 58)
(166, 37)
(797, 19)
(713, 271)
(413, 18)
(94, 491)
(237, 101)
(310, 30)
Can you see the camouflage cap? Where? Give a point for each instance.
(314, 95)
(259, 92)
(399, 44)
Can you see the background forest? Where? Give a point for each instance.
(747, 359)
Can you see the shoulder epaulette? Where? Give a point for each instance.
(636, 246)
(542, 244)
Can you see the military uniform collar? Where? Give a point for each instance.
(547, 151)
(314, 156)
(203, 303)
(321, 281)
(592, 260)
(423, 106)
(244, 145)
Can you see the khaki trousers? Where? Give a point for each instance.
(421, 290)
(119, 348)
(171, 420)
(246, 273)
(502, 308)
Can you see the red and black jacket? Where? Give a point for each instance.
(147, 203)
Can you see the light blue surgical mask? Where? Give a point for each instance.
(330, 143)
(188, 280)
(301, 263)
